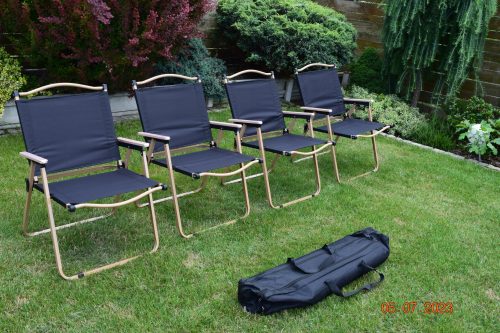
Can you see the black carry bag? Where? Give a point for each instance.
(307, 280)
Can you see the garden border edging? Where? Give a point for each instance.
(439, 151)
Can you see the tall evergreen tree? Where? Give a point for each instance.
(446, 36)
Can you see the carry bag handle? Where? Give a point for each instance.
(369, 286)
(311, 270)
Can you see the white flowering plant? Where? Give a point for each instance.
(481, 138)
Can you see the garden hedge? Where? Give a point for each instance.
(285, 34)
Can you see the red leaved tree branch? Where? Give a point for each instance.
(95, 41)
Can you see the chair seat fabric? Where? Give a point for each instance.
(206, 160)
(286, 143)
(99, 186)
(350, 128)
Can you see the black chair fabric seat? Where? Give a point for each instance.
(206, 160)
(286, 143)
(98, 186)
(350, 128)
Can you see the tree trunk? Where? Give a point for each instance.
(418, 89)
(289, 89)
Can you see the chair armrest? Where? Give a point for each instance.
(157, 137)
(301, 115)
(34, 158)
(132, 144)
(252, 123)
(358, 101)
(225, 126)
(317, 110)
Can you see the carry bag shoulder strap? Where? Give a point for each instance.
(332, 285)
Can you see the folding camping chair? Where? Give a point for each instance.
(255, 105)
(175, 120)
(321, 91)
(73, 135)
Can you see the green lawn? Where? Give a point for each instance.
(442, 216)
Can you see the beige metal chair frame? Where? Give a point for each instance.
(331, 135)
(167, 153)
(35, 160)
(308, 116)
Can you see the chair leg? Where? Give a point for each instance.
(375, 154)
(245, 192)
(318, 184)
(55, 242)
(152, 212)
(175, 201)
(26, 215)
(268, 185)
(335, 166)
(27, 205)
(317, 191)
(376, 159)
(154, 223)
(265, 173)
(178, 219)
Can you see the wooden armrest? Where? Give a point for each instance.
(359, 101)
(34, 158)
(293, 114)
(225, 126)
(254, 123)
(157, 137)
(319, 110)
(132, 144)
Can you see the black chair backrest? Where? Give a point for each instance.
(256, 100)
(70, 131)
(321, 89)
(177, 111)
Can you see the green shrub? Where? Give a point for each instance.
(286, 34)
(10, 77)
(473, 110)
(366, 71)
(435, 132)
(390, 110)
(196, 60)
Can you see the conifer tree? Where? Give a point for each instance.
(445, 36)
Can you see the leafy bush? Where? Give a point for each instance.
(10, 77)
(390, 110)
(366, 71)
(475, 110)
(95, 41)
(286, 34)
(196, 60)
